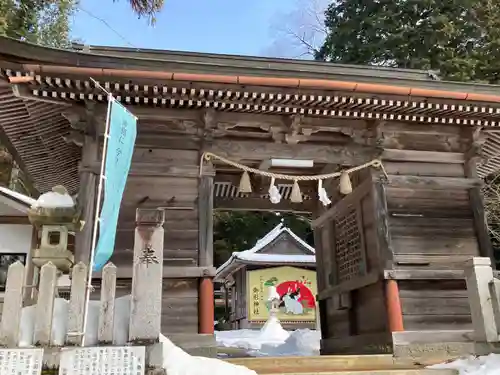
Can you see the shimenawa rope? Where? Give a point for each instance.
(376, 163)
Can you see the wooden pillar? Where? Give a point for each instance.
(477, 206)
(86, 199)
(205, 253)
(321, 244)
(385, 250)
(393, 303)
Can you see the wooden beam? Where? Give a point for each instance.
(434, 182)
(157, 170)
(23, 92)
(234, 149)
(356, 283)
(423, 156)
(127, 206)
(21, 220)
(205, 220)
(125, 272)
(259, 204)
(413, 274)
(251, 150)
(87, 200)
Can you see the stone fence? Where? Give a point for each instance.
(46, 338)
(483, 290)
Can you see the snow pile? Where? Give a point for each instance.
(485, 365)
(302, 342)
(177, 362)
(53, 199)
(272, 340)
(273, 332)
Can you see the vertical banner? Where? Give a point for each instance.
(118, 157)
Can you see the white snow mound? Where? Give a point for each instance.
(52, 199)
(484, 365)
(177, 362)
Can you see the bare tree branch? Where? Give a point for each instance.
(300, 32)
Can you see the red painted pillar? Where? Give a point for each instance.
(394, 311)
(206, 306)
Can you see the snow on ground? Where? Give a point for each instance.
(484, 365)
(271, 340)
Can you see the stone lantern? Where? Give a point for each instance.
(55, 215)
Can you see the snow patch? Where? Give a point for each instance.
(272, 340)
(177, 362)
(484, 365)
(53, 199)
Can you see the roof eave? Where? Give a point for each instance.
(22, 52)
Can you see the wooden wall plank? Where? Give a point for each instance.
(435, 304)
(371, 314)
(180, 306)
(424, 169)
(160, 188)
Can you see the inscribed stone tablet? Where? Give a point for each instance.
(105, 360)
(21, 361)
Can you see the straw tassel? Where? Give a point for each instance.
(296, 195)
(345, 183)
(245, 184)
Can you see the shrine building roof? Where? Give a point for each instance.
(38, 83)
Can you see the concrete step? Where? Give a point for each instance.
(338, 364)
(378, 372)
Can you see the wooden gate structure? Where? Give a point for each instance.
(390, 254)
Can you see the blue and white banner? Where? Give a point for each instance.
(118, 154)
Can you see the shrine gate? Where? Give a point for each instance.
(390, 254)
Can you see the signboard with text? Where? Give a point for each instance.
(105, 360)
(21, 361)
(295, 286)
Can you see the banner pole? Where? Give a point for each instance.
(96, 218)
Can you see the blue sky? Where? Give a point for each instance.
(218, 26)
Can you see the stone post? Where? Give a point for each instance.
(145, 309)
(478, 275)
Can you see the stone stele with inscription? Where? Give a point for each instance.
(21, 361)
(113, 360)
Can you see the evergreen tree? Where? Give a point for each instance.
(457, 38)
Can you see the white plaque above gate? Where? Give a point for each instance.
(21, 361)
(105, 360)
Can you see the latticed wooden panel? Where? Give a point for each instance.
(349, 250)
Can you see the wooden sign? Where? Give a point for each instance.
(296, 287)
